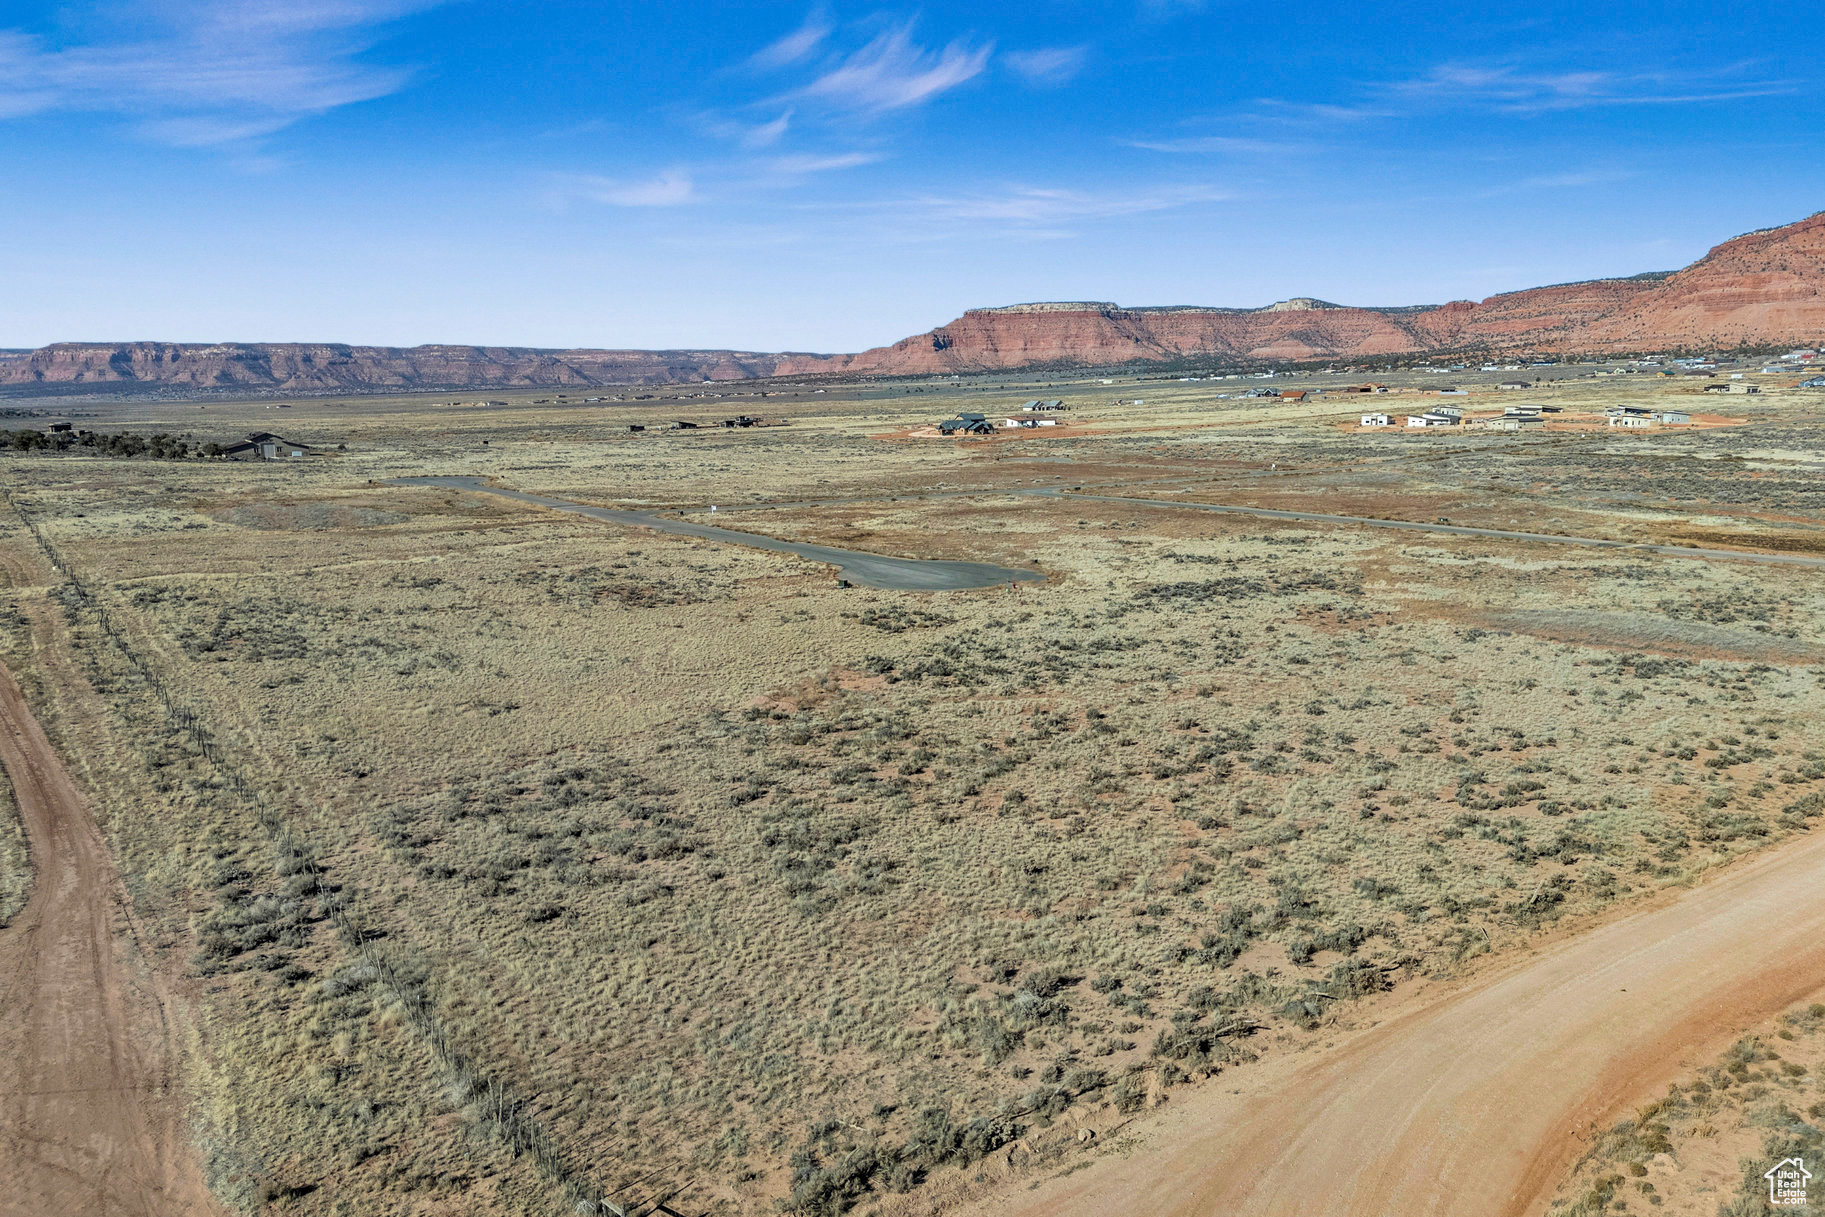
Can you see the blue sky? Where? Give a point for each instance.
(835, 176)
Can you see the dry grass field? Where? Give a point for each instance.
(520, 861)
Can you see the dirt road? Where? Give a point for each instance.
(1456, 530)
(90, 1120)
(1473, 1104)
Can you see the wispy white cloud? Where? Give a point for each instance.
(217, 72)
(892, 72)
(1576, 179)
(766, 134)
(797, 166)
(1309, 113)
(670, 188)
(1048, 65)
(795, 47)
(1213, 144)
(1518, 90)
(1047, 206)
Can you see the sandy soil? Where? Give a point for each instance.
(90, 1119)
(1478, 1102)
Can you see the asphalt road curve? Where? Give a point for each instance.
(869, 570)
(91, 1117)
(1477, 1102)
(1456, 530)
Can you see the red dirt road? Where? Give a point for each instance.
(1473, 1104)
(91, 1123)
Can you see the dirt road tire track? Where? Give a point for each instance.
(1477, 1103)
(91, 1120)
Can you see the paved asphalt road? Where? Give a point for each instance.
(1317, 517)
(869, 570)
(911, 574)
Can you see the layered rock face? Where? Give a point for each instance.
(1766, 288)
(306, 367)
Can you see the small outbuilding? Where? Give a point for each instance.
(1376, 420)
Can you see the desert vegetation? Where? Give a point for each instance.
(1705, 1146)
(518, 861)
(15, 859)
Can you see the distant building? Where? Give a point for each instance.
(1677, 418)
(1430, 419)
(1293, 395)
(265, 446)
(1032, 422)
(1035, 406)
(1376, 420)
(966, 424)
(1631, 420)
(1744, 388)
(1454, 413)
(60, 428)
(1817, 382)
(1514, 384)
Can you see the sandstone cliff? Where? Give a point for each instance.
(1763, 289)
(321, 367)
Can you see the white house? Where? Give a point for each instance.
(1376, 420)
(1032, 422)
(1430, 420)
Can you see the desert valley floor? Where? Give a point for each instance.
(475, 856)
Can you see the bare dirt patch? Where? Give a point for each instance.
(91, 1119)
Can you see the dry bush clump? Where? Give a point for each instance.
(15, 859)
